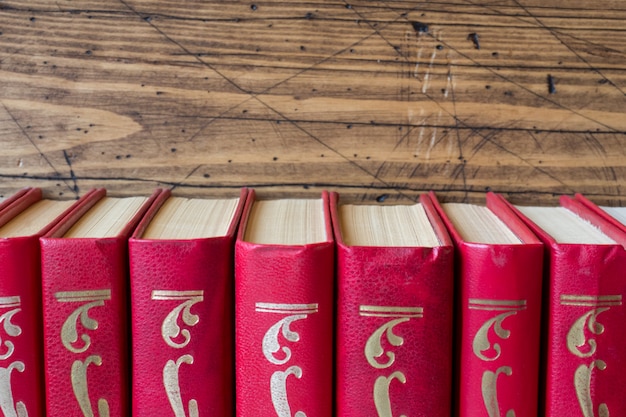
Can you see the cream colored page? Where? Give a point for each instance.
(398, 225)
(107, 218)
(183, 218)
(286, 222)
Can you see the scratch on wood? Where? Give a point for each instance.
(72, 174)
(426, 82)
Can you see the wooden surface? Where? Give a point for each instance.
(379, 100)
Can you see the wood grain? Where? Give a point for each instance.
(378, 100)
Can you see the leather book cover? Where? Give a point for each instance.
(84, 292)
(21, 364)
(394, 326)
(182, 322)
(284, 325)
(585, 346)
(598, 210)
(498, 320)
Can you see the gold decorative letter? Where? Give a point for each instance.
(9, 328)
(381, 393)
(7, 404)
(170, 330)
(172, 387)
(577, 339)
(9, 409)
(490, 391)
(481, 344)
(278, 387)
(271, 345)
(374, 349)
(79, 384)
(69, 336)
(69, 331)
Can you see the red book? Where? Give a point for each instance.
(394, 311)
(23, 218)
(84, 281)
(284, 268)
(585, 348)
(181, 271)
(499, 278)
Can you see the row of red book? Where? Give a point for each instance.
(164, 305)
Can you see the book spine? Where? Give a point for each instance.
(394, 331)
(284, 328)
(21, 363)
(499, 323)
(500, 318)
(85, 326)
(181, 318)
(586, 344)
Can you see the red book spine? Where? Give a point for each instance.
(21, 365)
(284, 326)
(182, 323)
(499, 318)
(84, 291)
(394, 328)
(585, 351)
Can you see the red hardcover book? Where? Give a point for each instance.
(181, 271)
(585, 347)
(284, 270)
(614, 215)
(84, 292)
(499, 309)
(24, 217)
(394, 311)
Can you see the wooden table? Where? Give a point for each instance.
(379, 100)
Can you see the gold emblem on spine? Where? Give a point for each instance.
(7, 403)
(481, 346)
(278, 388)
(170, 331)
(582, 347)
(271, 345)
(81, 391)
(172, 387)
(489, 387)
(374, 349)
(69, 336)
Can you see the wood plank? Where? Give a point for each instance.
(380, 101)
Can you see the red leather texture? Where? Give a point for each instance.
(21, 380)
(180, 286)
(277, 350)
(86, 346)
(415, 371)
(585, 348)
(498, 322)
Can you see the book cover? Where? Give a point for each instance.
(498, 319)
(21, 364)
(284, 324)
(604, 212)
(7, 201)
(394, 325)
(182, 321)
(585, 346)
(84, 292)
